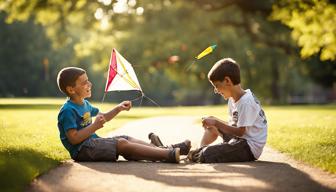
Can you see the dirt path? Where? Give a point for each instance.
(272, 172)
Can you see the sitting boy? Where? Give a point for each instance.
(244, 136)
(77, 132)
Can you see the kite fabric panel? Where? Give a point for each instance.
(121, 75)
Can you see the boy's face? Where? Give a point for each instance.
(82, 88)
(222, 88)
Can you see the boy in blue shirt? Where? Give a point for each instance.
(77, 131)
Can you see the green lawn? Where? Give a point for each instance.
(307, 133)
(29, 141)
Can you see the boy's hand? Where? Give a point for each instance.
(125, 105)
(99, 121)
(209, 122)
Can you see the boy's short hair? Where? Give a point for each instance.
(67, 77)
(226, 67)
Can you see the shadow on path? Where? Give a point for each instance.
(251, 176)
(273, 172)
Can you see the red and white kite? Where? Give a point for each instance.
(121, 76)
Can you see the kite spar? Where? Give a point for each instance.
(121, 77)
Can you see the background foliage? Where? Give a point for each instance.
(286, 49)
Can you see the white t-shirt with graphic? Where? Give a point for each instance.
(247, 112)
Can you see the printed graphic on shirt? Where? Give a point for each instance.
(262, 115)
(86, 119)
(235, 118)
(261, 112)
(235, 115)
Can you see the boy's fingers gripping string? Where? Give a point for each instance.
(101, 119)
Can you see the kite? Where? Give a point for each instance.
(121, 77)
(203, 53)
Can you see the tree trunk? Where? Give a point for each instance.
(275, 83)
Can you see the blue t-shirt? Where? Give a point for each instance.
(74, 116)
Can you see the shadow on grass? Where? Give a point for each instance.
(19, 167)
(271, 176)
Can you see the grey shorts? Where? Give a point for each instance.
(233, 149)
(99, 149)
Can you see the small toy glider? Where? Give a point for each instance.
(202, 54)
(206, 51)
(121, 77)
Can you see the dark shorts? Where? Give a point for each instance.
(99, 149)
(233, 149)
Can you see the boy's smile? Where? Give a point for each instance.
(83, 87)
(226, 89)
(221, 88)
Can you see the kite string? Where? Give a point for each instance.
(141, 100)
(137, 98)
(132, 84)
(151, 100)
(103, 97)
(189, 67)
(146, 97)
(140, 97)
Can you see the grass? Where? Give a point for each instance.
(307, 133)
(29, 141)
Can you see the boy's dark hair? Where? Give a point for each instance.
(67, 77)
(226, 67)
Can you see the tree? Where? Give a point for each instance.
(313, 25)
(24, 60)
(160, 38)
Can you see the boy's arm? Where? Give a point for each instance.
(222, 126)
(225, 128)
(125, 105)
(76, 137)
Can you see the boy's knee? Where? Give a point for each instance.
(122, 144)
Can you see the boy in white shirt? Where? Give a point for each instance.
(244, 136)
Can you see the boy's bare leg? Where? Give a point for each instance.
(210, 135)
(136, 151)
(134, 140)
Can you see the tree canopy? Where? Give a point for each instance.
(312, 23)
(160, 38)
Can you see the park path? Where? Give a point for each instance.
(272, 172)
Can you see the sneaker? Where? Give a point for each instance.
(195, 155)
(155, 140)
(173, 156)
(184, 147)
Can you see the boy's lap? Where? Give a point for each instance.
(99, 149)
(237, 150)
